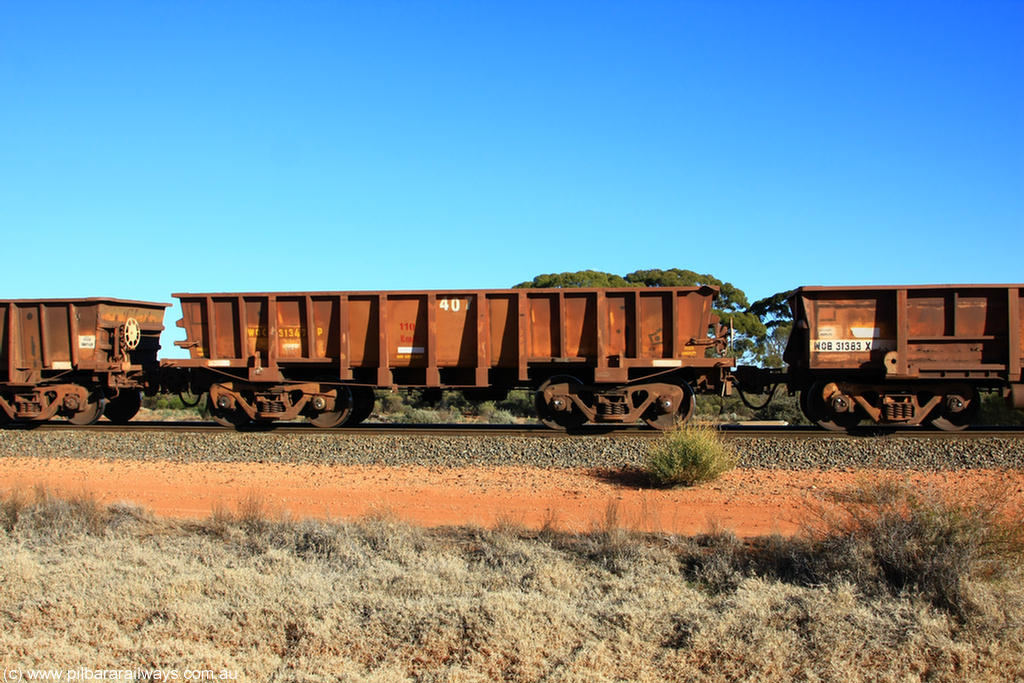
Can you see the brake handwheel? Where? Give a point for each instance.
(131, 334)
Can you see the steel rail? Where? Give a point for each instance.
(528, 430)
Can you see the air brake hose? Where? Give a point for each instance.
(743, 397)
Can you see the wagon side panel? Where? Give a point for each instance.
(504, 326)
(456, 336)
(849, 331)
(957, 330)
(915, 332)
(5, 339)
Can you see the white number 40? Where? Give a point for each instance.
(452, 305)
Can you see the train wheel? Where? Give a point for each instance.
(232, 418)
(91, 410)
(683, 411)
(123, 407)
(818, 411)
(957, 411)
(5, 416)
(363, 402)
(559, 412)
(805, 408)
(342, 399)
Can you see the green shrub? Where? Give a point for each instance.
(781, 407)
(391, 402)
(491, 414)
(427, 416)
(995, 411)
(172, 402)
(501, 417)
(519, 403)
(687, 456)
(731, 409)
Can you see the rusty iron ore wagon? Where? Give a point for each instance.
(901, 354)
(592, 355)
(78, 358)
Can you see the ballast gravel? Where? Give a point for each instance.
(830, 452)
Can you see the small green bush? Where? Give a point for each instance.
(994, 410)
(171, 402)
(730, 409)
(687, 456)
(519, 403)
(501, 417)
(427, 416)
(491, 414)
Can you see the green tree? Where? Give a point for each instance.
(776, 314)
(774, 309)
(581, 278)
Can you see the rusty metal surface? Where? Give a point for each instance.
(905, 355)
(40, 337)
(449, 338)
(941, 331)
(77, 358)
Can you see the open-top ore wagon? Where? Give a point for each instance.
(77, 358)
(592, 355)
(901, 354)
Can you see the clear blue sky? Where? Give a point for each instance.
(154, 147)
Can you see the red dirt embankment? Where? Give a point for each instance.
(749, 502)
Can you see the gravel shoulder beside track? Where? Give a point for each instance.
(839, 452)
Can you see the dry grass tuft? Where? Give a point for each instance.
(377, 599)
(55, 513)
(253, 512)
(922, 541)
(687, 456)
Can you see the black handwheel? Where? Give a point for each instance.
(123, 407)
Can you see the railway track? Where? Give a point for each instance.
(528, 430)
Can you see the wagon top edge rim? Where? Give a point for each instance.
(893, 288)
(88, 300)
(451, 292)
